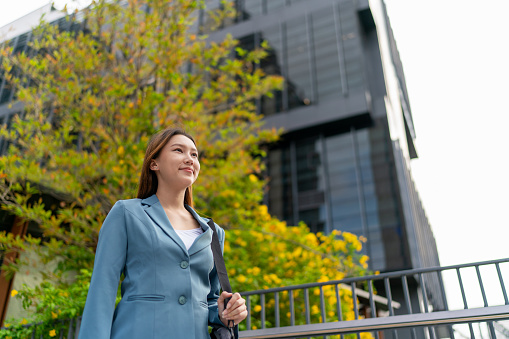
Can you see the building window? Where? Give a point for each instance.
(325, 48)
(298, 80)
(272, 64)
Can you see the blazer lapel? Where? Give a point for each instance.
(204, 239)
(156, 212)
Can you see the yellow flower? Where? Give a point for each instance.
(13, 293)
(363, 259)
(257, 308)
(52, 333)
(54, 315)
(253, 178)
(120, 150)
(24, 321)
(241, 278)
(256, 270)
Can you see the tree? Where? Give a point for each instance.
(94, 94)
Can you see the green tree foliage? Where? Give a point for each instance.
(94, 94)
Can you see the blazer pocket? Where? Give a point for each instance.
(203, 304)
(146, 297)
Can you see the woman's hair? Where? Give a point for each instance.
(148, 178)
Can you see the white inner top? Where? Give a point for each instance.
(188, 236)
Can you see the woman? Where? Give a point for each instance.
(162, 246)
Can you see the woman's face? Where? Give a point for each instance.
(177, 165)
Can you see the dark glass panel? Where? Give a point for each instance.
(326, 53)
(251, 8)
(272, 65)
(6, 93)
(280, 184)
(273, 5)
(247, 42)
(351, 45)
(313, 219)
(308, 164)
(299, 74)
(352, 190)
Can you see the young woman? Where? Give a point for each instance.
(162, 246)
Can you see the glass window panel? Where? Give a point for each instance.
(349, 207)
(326, 54)
(351, 224)
(299, 74)
(272, 64)
(314, 219)
(308, 165)
(273, 5)
(251, 8)
(247, 42)
(6, 93)
(280, 184)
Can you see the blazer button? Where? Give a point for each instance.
(184, 264)
(182, 300)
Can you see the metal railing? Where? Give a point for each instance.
(389, 305)
(379, 308)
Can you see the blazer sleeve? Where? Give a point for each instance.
(215, 287)
(109, 263)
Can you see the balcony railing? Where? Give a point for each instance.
(389, 305)
(411, 312)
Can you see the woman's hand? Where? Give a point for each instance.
(235, 310)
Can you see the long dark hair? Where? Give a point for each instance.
(148, 178)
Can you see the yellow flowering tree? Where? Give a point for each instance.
(264, 252)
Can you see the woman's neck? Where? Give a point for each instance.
(170, 199)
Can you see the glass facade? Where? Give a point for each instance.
(318, 52)
(341, 178)
(341, 182)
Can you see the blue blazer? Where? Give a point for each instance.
(167, 291)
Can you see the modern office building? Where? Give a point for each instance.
(344, 159)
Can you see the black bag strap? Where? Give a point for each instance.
(219, 260)
(220, 266)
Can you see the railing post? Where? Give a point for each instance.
(292, 309)
(504, 292)
(262, 301)
(248, 306)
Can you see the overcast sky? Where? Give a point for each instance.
(456, 60)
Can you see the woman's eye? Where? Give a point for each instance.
(178, 149)
(195, 155)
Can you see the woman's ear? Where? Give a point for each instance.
(153, 165)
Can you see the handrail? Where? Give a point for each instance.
(376, 276)
(420, 297)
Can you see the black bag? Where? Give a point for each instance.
(218, 331)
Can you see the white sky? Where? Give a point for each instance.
(456, 60)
